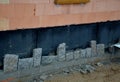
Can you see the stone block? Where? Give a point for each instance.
(61, 51)
(94, 49)
(83, 53)
(48, 59)
(77, 54)
(37, 53)
(25, 63)
(88, 52)
(10, 63)
(69, 55)
(100, 49)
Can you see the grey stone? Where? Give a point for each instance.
(35, 81)
(48, 59)
(43, 77)
(77, 54)
(100, 49)
(37, 53)
(69, 55)
(66, 70)
(85, 68)
(10, 63)
(50, 75)
(88, 52)
(94, 48)
(83, 71)
(83, 53)
(41, 81)
(90, 68)
(99, 64)
(52, 54)
(61, 51)
(25, 63)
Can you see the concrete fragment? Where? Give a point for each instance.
(77, 54)
(10, 63)
(48, 59)
(61, 51)
(69, 55)
(100, 49)
(88, 52)
(25, 63)
(37, 53)
(94, 48)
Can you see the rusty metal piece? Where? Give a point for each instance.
(67, 2)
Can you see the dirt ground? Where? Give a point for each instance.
(108, 73)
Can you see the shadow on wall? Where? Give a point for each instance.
(22, 42)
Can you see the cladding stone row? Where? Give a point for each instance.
(13, 63)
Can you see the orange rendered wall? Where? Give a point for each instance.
(24, 14)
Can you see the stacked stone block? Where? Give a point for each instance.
(94, 48)
(25, 63)
(100, 49)
(79, 56)
(10, 63)
(69, 55)
(88, 52)
(83, 53)
(48, 60)
(77, 53)
(37, 53)
(61, 51)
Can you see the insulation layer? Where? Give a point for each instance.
(64, 2)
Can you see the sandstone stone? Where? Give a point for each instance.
(25, 63)
(61, 51)
(10, 63)
(37, 53)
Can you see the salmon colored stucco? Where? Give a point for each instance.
(24, 14)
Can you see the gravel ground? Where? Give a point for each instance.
(105, 73)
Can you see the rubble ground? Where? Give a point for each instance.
(105, 73)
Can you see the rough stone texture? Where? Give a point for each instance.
(48, 59)
(43, 77)
(83, 53)
(100, 49)
(61, 51)
(25, 63)
(10, 63)
(69, 55)
(37, 53)
(77, 54)
(88, 52)
(94, 48)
